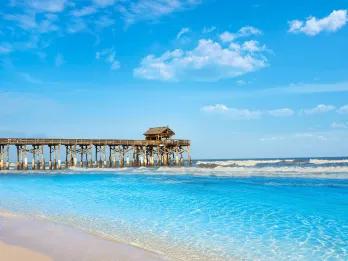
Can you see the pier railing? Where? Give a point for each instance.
(54, 141)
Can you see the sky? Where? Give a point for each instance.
(240, 79)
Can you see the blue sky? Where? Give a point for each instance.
(240, 79)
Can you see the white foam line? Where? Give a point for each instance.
(328, 161)
(292, 171)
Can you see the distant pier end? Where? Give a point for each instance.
(157, 149)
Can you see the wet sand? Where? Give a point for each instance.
(23, 238)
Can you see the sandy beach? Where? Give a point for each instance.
(14, 253)
(23, 238)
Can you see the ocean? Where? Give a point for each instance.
(264, 209)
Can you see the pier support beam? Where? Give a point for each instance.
(54, 163)
(112, 156)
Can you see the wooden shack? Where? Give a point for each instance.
(159, 133)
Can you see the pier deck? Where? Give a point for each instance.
(106, 142)
(157, 149)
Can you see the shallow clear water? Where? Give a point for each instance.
(194, 217)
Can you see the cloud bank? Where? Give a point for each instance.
(313, 26)
(244, 113)
(209, 60)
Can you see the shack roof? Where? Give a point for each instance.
(159, 131)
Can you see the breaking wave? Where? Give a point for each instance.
(300, 162)
(324, 168)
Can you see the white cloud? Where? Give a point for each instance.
(234, 113)
(47, 24)
(241, 82)
(109, 56)
(339, 125)
(59, 60)
(321, 108)
(183, 31)
(282, 112)
(153, 9)
(215, 108)
(248, 31)
(245, 31)
(253, 46)
(208, 61)
(25, 21)
(312, 88)
(5, 48)
(104, 21)
(104, 3)
(272, 138)
(343, 109)
(227, 36)
(85, 11)
(29, 22)
(30, 79)
(245, 114)
(297, 137)
(48, 5)
(310, 136)
(242, 113)
(313, 26)
(77, 25)
(207, 30)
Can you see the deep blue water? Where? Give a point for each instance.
(194, 217)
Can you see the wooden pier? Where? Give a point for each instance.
(157, 149)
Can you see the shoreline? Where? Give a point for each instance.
(35, 239)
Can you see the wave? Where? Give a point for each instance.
(301, 162)
(223, 170)
(328, 161)
(242, 163)
(284, 172)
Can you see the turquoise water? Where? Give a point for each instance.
(194, 217)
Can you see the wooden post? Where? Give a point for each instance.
(74, 155)
(112, 156)
(66, 156)
(81, 155)
(58, 154)
(55, 156)
(177, 156)
(43, 163)
(7, 156)
(50, 158)
(122, 157)
(145, 156)
(104, 157)
(152, 156)
(25, 151)
(158, 156)
(189, 156)
(96, 156)
(18, 156)
(1, 157)
(33, 159)
(90, 147)
(23, 155)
